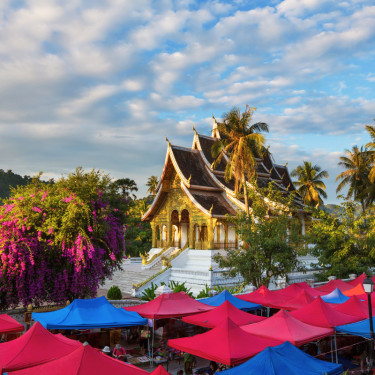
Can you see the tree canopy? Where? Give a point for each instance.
(271, 240)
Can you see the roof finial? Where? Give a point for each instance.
(189, 179)
(288, 187)
(194, 129)
(212, 207)
(167, 140)
(286, 164)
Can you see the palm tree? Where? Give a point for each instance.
(241, 143)
(310, 185)
(127, 186)
(357, 166)
(371, 146)
(152, 184)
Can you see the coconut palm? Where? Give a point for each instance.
(126, 185)
(310, 185)
(241, 143)
(357, 165)
(152, 184)
(371, 146)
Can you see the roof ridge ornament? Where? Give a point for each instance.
(212, 207)
(167, 140)
(189, 179)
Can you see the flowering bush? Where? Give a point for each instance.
(56, 243)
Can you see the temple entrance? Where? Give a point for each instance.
(184, 240)
(175, 228)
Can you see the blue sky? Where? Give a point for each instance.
(101, 83)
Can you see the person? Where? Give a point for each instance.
(3, 338)
(143, 339)
(180, 372)
(119, 353)
(189, 362)
(212, 368)
(106, 350)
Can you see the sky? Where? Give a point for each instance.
(100, 84)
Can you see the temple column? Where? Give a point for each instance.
(191, 235)
(218, 235)
(210, 230)
(154, 236)
(226, 236)
(170, 234)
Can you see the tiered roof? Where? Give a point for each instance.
(205, 184)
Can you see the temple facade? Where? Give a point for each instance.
(193, 199)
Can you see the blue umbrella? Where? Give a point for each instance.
(226, 296)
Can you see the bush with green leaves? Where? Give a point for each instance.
(114, 293)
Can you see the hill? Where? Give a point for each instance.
(9, 179)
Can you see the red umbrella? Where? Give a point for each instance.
(258, 296)
(8, 324)
(36, 346)
(333, 284)
(358, 290)
(358, 280)
(215, 317)
(282, 326)
(160, 370)
(321, 314)
(170, 306)
(85, 360)
(227, 343)
(354, 306)
(303, 298)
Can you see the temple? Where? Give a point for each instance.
(193, 199)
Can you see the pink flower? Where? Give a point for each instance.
(89, 228)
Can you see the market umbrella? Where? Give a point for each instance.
(171, 305)
(226, 296)
(215, 317)
(285, 359)
(9, 324)
(227, 343)
(282, 326)
(34, 347)
(354, 306)
(85, 360)
(335, 297)
(321, 314)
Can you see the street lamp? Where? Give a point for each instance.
(368, 285)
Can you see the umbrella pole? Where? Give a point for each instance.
(337, 358)
(331, 350)
(153, 337)
(268, 312)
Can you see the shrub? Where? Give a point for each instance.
(114, 293)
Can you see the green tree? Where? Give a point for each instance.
(138, 235)
(10, 180)
(152, 184)
(241, 143)
(344, 242)
(357, 165)
(127, 186)
(310, 185)
(271, 240)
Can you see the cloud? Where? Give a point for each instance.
(101, 83)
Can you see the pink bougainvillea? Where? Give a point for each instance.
(54, 246)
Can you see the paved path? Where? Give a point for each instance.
(131, 274)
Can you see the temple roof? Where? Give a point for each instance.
(192, 167)
(205, 186)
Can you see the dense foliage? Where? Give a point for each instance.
(138, 234)
(344, 242)
(59, 242)
(271, 240)
(8, 180)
